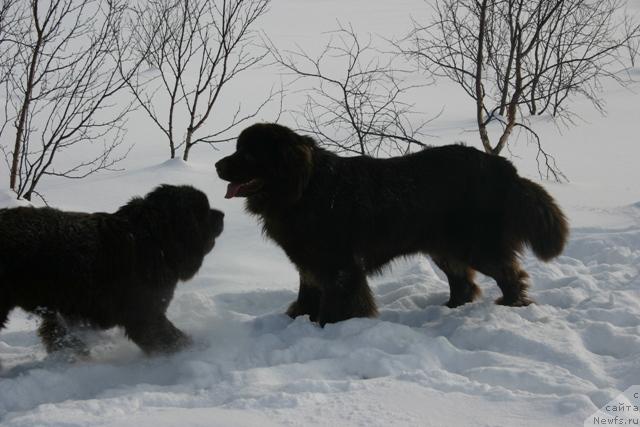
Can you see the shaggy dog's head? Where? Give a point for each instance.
(177, 222)
(271, 166)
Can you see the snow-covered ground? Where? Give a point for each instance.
(550, 364)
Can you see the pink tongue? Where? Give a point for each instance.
(232, 189)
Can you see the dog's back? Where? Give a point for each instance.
(452, 200)
(442, 196)
(47, 255)
(36, 240)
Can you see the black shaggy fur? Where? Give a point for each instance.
(340, 219)
(106, 269)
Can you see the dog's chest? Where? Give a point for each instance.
(291, 236)
(281, 232)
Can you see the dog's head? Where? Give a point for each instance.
(271, 165)
(177, 221)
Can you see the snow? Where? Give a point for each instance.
(419, 363)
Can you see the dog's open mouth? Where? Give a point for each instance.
(243, 189)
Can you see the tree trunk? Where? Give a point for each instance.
(482, 127)
(24, 110)
(187, 143)
(512, 109)
(507, 74)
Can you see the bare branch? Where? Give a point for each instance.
(360, 109)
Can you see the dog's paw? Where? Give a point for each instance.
(184, 342)
(295, 310)
(521, 301)
(69, 355)
(67, 346)
(338, 314)
(455, 303)
(178, 343)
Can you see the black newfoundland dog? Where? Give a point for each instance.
(103, 269)
(339, 219)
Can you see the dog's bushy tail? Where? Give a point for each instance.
(538, 220)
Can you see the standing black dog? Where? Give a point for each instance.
(339, 219)
(105, 269)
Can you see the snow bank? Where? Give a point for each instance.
(564, 357)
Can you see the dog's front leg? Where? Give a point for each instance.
(346, 295)
(156, 334)
(309, 298)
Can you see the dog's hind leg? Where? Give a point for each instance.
(309, 297)
(346, 294)
(514, 284)
(156, 334)
(5, 300)
(460, 276)
(512, 281)
(4, 315)
(52, 331)
(56, 336)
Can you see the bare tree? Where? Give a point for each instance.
(60, 90)
(195, 48)
(518, 58)
(360, 109)
(10, 34)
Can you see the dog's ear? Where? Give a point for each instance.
(297, 165)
